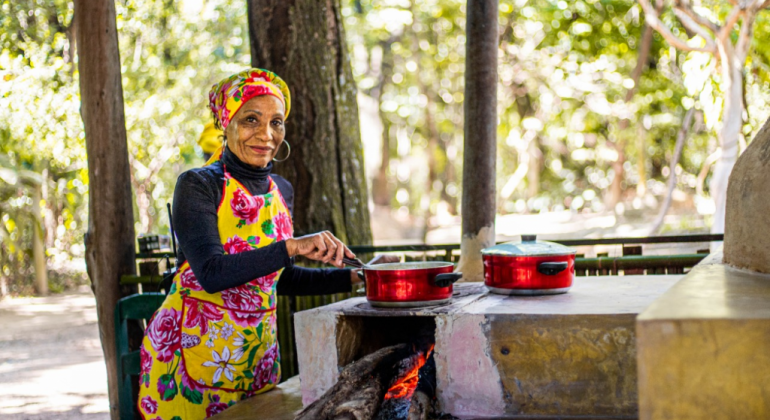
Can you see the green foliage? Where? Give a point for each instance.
(566, 73)
(758, 76)
(410, 57)
(42, 148)
(565, 70)
(171, 53)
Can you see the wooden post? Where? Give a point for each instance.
(303, 41)
(110, 250)
(480, 145)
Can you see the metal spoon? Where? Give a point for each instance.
(354, 262)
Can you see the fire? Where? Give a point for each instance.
(405, 386)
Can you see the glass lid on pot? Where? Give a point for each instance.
(528, 247)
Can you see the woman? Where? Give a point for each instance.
(213, 341)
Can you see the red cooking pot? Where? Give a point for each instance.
(411, 284)
(529, 267)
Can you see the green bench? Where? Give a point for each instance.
(134, 307)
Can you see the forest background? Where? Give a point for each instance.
(584, 131)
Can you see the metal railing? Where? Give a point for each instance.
(368, 249)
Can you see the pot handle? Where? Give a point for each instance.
(446, 279)
(552, 268)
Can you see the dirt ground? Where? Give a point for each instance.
(51, 364)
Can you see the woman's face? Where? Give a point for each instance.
(256, 131)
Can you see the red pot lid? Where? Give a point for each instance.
(528, 247)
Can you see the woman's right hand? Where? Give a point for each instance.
(321, 246)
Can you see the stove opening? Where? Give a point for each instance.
(358, 336)
(387, 370)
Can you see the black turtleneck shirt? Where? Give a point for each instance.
(196, 199)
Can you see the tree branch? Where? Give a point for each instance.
(679, 146)
(730, 22)
(686, 7)
(744, 37)
(694, 26)
(652, 19)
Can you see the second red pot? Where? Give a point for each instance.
(529, 267)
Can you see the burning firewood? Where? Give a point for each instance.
(390, 372)
(358, 393)
(420, 406)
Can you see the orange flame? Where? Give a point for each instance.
(405, 386)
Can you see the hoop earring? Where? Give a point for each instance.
(287, 154)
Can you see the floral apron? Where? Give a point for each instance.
(202, 352)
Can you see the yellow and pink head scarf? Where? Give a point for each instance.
(227, 96)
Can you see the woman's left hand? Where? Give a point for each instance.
(384, 259)
(379, 259)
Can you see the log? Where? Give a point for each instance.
(365, 405)
(419, 408)
(359, 392)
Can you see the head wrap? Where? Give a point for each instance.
(227, 96)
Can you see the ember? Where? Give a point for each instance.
(405, 385)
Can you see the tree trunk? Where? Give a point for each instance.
(732, 59)
(431, 150)
(38, 245)
(71, 48)
(5, 259)
(381, 194)
(534, 167)
(49, 211)
(110, 250)
(449, 177)
(729, 135)
(680, 138)
(616, 188)
(430, 131)
(303, 41)
(480, 144)
(641, 162)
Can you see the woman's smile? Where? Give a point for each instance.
(261, 150)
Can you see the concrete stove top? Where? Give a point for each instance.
(499, 356)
